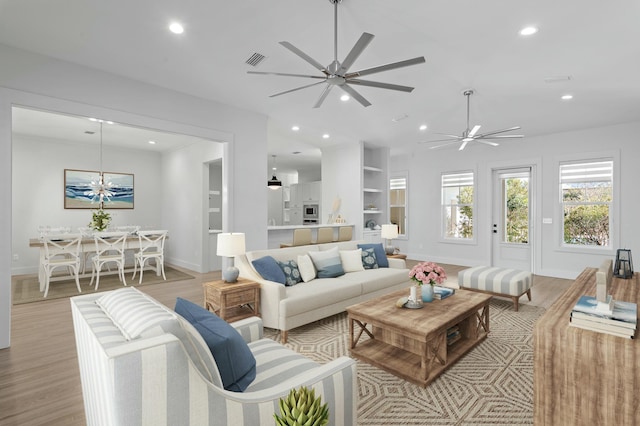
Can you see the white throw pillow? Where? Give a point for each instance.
(306, 268)
(351, 260)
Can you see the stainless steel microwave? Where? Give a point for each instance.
(310, 211)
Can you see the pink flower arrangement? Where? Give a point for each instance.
(428, 273)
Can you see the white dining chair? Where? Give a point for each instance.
(151, 247)
(61, 250)
(109, 248)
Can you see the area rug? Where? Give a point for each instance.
(490, 385)
(26, 289)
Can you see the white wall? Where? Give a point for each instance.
(342, 178)
(37, 81)
(425, 167)
(38, 190)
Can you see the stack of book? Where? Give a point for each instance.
(453, 335)
(620, 322)
(440, 293)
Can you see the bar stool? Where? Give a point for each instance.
(345, 233)
(325, 235)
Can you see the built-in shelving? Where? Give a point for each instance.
(374, 183)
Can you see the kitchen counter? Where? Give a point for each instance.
(290, 227)
(284, 233)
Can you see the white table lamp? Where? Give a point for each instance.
(230, 245)
(389, 232)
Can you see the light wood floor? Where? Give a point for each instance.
(39, 375)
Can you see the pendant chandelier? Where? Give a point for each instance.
(274, 183)
(100, 191)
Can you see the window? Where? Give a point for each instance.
(586, 196)
(398, 203)
(457, 205)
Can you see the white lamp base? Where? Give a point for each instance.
(230, 274)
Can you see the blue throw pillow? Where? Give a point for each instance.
(236, 363)
(381, 256)
(369, 259)
(327, 263)
(268, 269)
(291, 272)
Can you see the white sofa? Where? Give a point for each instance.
(143, 364)
(287, 307)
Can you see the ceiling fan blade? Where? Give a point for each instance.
(387, 67)
(497, 131)
(450, 140)
(357, 49)
(474, 130)
(297, 88)
(355, 95)
(304, 56)
(487, 142)
(442, 145)
(323, 96)
(503, 137)
(464, 143)
(284, 74)
(452, 136)
(381, 85)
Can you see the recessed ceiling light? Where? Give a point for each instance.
(325, 136)
(566, 97)
(423, 127)
(176, 28)
(527, 31)
(93, 119)
(152, 142)
(295, 128)
(344, 98)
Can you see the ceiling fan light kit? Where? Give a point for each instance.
(337, 73)
(471, 135)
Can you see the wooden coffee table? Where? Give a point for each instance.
(412, 343)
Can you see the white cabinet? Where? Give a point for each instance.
(295, 216)
(372, 236)
(302, 193)
(295, 195)
(311, 191)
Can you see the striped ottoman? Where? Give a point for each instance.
(504, 282)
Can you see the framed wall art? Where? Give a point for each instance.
(79, 190)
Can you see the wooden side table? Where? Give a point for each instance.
(397, 256)
(232, 301)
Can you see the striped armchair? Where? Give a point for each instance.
(143, 364)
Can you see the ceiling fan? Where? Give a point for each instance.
(337, 74)
(471, 135)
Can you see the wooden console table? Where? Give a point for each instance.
(583, 377)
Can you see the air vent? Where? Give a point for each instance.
(557, 79)
(255, 59)
(89, 132)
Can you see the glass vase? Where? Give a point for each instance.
(427, 293)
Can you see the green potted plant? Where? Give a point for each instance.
(100, 220)
(302, 408)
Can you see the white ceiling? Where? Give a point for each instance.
(466, 43)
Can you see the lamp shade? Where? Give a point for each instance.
(230, 244)
(389, 231)
(274, 183)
